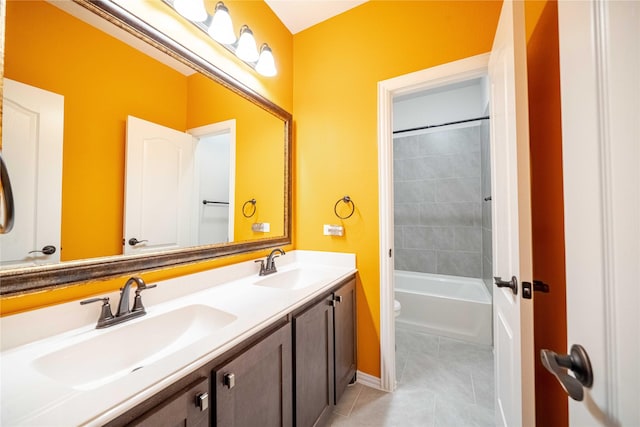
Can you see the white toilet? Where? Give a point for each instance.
(396, 308)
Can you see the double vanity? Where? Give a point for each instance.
(221, 347)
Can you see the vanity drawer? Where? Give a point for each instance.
(189, 407)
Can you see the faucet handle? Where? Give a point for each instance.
(90, 300)
(137, 301)
(105, 312)
(261, 261)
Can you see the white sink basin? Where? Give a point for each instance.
(295, 279)
(113, 354)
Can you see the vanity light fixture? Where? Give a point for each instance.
(220, 28)
(193, 10)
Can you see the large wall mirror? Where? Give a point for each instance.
(128, 152)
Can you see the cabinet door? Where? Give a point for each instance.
(314, 376)
(254, 389)
(345, 337)
(188, 408)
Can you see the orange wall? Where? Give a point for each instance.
(106, 176)
(337, 65)
(545, 132)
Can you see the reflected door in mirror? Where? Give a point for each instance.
(32, 125)
(159, 196)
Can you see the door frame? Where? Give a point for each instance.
(441, 75)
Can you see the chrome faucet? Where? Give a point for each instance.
(269, 266)
(124, 313)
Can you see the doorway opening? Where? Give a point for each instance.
(215, 155)
(442, 211)
(442, 243)
(428, 229)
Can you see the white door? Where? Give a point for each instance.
(600, 91)
(513, 315)
(158, 188)
(32, 133)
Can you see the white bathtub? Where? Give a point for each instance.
(450, 306)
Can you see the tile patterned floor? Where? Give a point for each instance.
(441, 383)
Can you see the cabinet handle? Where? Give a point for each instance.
(339, 298)
(202, 401)
(229, 380)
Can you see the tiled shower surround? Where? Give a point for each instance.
(438, 202)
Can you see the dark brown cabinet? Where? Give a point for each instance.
(313, 364)
(324, 355)
(291, 373)
(344, 315)
(254, 389)
(188, 408)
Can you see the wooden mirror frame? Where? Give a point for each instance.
(30, 279)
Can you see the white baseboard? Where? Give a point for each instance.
(369, 380)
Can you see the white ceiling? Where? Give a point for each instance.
(298, 15)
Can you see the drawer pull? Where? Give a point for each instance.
(202, 401)
(229, 380)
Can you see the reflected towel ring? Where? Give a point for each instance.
(346, 200)
(244, 210)
(7, 199)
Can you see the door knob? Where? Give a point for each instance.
(47, 250)
(133, 241)
(511, 284)
(577, 361)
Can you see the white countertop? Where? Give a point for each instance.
(30, 398)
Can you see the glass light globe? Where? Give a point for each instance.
(266, 65)
(221, 28)
(247, 50)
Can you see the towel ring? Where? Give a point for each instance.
(7, 199)
(346, 200)
(244, 211)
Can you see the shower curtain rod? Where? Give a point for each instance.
(441, 124)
